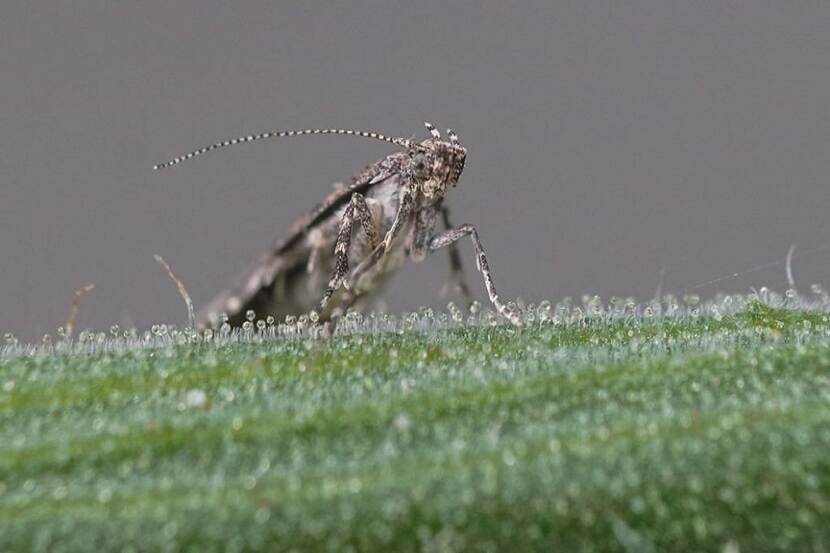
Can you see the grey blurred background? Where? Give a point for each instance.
(609, 142)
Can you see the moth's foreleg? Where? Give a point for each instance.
(364, 215)
(450, 237)
(406, 202)
(405, 205)
(458, 279)
(357, 209)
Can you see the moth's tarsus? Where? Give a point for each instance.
(326, 262)
(452, 236)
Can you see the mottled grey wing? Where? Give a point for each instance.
(254, 289)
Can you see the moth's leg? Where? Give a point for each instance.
(450, 237)
(458, 279)
(357, 209)
(424, 229)
(363, 212)
(405, 204)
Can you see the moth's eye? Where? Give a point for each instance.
(420, 165)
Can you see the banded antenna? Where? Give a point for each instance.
(403, 142)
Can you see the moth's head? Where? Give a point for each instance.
(436, 164)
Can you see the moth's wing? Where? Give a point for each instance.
(250, 290)
(254, 289)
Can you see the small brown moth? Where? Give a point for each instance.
(328, 264)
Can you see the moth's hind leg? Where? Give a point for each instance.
(449, 238)
(358, 209)
(425, 220)
(458, 279)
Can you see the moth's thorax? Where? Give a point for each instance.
(435, 166)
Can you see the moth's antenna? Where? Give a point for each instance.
(432, 130)
(403, 142)
(453, 136)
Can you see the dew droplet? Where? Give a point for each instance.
(195, 398)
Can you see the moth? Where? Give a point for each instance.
(340, 254)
